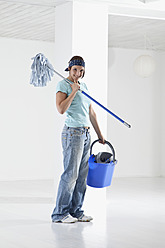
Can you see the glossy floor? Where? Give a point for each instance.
(135, 217)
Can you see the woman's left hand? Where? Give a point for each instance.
(101, 139)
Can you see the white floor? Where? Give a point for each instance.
(135, 217)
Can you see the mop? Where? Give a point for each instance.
(43, 71)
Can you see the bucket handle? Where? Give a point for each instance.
(106, 142)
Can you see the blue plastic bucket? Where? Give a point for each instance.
(99, 174)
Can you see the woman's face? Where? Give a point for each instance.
(76, 72)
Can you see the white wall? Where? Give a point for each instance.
(162, 114)
(30, 126)
(138, 101)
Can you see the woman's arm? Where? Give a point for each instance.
(93, 119)
(62, 101)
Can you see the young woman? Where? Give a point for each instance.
(76, 144)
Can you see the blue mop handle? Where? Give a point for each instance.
(118, 118)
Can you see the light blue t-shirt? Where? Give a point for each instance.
(77, 114)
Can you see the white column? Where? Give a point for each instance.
(82, 29)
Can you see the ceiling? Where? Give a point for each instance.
(27, 20)
(136, 33)
(132, 23)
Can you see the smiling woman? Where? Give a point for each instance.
(77, 60)
(75, 142)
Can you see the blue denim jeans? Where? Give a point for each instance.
(72, 186)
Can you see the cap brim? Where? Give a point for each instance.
(67, 69)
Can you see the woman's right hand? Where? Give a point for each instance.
(75, 86)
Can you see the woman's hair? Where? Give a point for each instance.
(77, 58)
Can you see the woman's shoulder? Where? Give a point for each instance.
(62, 86)
(83, 86)
(62, 82)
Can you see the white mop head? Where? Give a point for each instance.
(42, 71)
